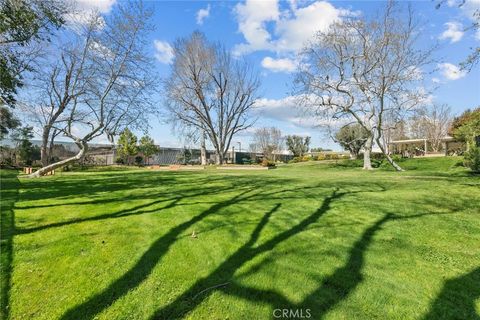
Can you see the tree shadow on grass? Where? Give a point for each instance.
(224, 273)
(330, 291)
(9, 195)
(141, 270)
(147, 262)
(457, 298)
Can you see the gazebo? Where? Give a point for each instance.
(420, 147)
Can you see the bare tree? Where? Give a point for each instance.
(268, 141)
(432, 123)
(360, 70)
(210, 91)
(62, 82)
(103, 87)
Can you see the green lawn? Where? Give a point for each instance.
(341, 242)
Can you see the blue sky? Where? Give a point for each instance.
(269, 33)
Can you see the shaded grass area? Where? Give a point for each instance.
(9, 186)
(340, 242)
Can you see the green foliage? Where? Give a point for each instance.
(26, 151)
(267, 163)
(352, 138)
(472, 159)
(147, 147)
(185, 157)
(138, 160)
(466, 127)
(298, 145)
(248, 161)
(22, 21)
(7, 121)
(127, 145)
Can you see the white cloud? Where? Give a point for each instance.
(454, 32)
(451, 71)
(84, 9)
(296, 30)
(265, 27)
(103, 6)
(202, 14)
(252, 17)
(436, 80)
(163, 51)
(278, 65)
(287, 110)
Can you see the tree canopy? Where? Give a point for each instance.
(21, 22)
(298, 145)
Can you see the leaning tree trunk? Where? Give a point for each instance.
(389, 159)
(79, 156)
(367, 163)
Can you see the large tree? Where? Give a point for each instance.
(210, 91)
(101, 84)
(362, 69)
(21, 23)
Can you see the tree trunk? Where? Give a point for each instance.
(43, 149)
(367, 163)
(80, 155)
(389, 159)
(51, 145)
(218, 158)
(203, 150)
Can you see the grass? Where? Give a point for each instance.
(341, 242)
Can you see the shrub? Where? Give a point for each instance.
(295, 160)
(306, 158)
(267, 163)
(138, 160)
(247, 161)
(472, 159)
(119, 160)
(350, 163)
(320, 157)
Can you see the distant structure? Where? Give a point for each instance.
(106, 154)
(422, 147)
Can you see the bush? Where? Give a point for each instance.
(119, 160)
(138, 160)
(350, 163)
(295, 160)
(267, 163)
(306, 158)
(472, 159)
(247, 161)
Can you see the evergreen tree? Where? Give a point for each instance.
(147, 147)
(127, 145)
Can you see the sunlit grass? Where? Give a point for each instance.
(338, 241)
